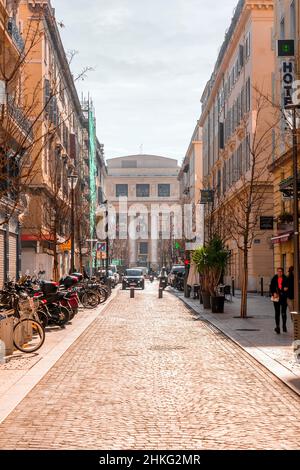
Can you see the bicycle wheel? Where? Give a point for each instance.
(28, 335)
(103, 294)
(90, 299)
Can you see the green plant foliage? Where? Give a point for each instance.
(211, 261)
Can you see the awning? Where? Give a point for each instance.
(282, 238)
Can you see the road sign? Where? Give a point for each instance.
(101, 247)
(66, 246)
(207, 196)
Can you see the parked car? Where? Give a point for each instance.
(111, 277)
(133, 277)
(176, 269)
(115, 273)
(144, 270)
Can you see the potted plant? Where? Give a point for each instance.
(211, 261)
(285, 218)
(217, 260)
(200, 258)
(284, 221)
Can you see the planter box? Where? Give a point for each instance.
(217, 304)
(296, 321)
(206, 300)
(6, 334)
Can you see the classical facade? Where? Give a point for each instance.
(235, 113)
(287, 26)
(145, 182)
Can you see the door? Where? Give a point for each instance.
(13, 256)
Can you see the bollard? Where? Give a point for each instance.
(233, 288)
(262, 286)
(132, 292)
(160, 293)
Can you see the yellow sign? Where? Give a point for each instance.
(66, 246)
(101, 255)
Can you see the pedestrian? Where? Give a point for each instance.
(290, 299)
(279, 292)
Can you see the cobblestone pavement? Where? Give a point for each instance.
(148, 375)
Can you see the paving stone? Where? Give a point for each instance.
(145, 376)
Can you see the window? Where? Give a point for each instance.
(164, 190)
(282, 28)
(143, 248)
(121, 190)
(221, 135)
(248, 153)
(248, 95)
(142, 190)
(129, 164)
(293, 19)
(248, 46)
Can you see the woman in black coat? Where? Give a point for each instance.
(279, 291)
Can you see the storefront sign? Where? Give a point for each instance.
(266, 223)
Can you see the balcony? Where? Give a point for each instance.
(17, 115)
(15, 34)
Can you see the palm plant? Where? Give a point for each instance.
(211, 261)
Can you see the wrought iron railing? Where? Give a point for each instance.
(15, 34)
(17, 115)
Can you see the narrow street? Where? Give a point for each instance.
(148, 375)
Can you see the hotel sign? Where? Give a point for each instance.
(288, 78)
(286, 50)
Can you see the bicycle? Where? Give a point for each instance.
(28, 332)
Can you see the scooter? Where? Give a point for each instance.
(151, 278)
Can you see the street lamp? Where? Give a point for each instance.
(293, 124)
(73, 180)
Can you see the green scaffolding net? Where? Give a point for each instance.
(93, 173)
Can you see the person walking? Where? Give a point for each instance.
(279, 292)
(290, 297)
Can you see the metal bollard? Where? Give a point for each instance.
(233, 288)
(160, 293)
(262, 286)
(132, 292)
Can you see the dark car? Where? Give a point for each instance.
(175, 271)
(133, 277)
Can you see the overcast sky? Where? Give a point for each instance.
(151, 61)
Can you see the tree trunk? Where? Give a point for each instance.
(244, 299)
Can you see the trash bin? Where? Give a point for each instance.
(6, 332)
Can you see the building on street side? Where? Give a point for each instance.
(146, 180)
(287, 26)
(15, 138)
(190, 180)
(235, 111)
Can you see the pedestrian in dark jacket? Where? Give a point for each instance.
(279, 291)
(290, 299)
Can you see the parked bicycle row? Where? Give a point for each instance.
(32, 305)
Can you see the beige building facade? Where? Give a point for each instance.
(286, 26)
(144, 181)
(191, 183)
(231, 121)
